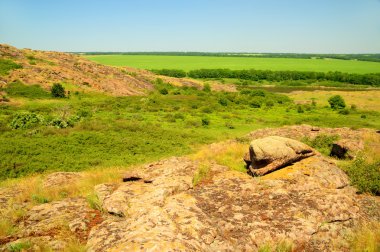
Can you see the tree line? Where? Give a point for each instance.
(257, 75)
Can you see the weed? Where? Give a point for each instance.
(40, 199)
(20, 246)
(94, 201)
(201, 173)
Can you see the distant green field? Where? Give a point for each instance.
(235, 63)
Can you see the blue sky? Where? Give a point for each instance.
(314, 26)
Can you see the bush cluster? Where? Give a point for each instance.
(337, 102)
(365, 175)
(58, 91)
(171, 72)
(30, 120)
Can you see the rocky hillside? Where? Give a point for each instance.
(45, 68)
(309, 205)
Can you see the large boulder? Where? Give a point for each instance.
(271, 153)
(346, 148)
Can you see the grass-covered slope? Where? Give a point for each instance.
(46, 68)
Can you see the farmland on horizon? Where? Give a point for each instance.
(236, 63)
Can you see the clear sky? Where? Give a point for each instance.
(314, 26)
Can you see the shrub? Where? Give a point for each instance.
(223, 101)
(258, 92)
(364, 175)
(164, 91)
(255, 104)
(58, 91)
(25, 120)
(353, 107)
(59, 123)
(206, 87)
(300, 109)
(337, 102)
(363, 116)
(344, 112)
(205, 121)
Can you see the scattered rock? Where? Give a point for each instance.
(271, 153)
(314, 128)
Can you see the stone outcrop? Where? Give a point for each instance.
(157, 208)
(271, 153)
(45, 68)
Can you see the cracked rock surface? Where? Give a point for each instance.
(309, 202)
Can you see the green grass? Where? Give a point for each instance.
(7, 65)
(17, 89)
(123, 131)
(236, 63)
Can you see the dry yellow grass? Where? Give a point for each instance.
(366, 238)
(227, 153)
(30, 186)
(372, 146)
(364, 100)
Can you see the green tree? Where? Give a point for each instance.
(58, 90)
(337, 102)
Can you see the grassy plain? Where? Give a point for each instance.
(236, 63)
